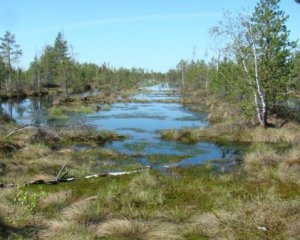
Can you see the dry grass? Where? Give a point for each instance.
(235, 132)
(290, 134)
(260, 162)
(265, 163)
(74, 219)
(289, 167)
(178, 214)
(206, 224)
(264, 217)
(220, 112)
(125, 229)
(143, 191)
(31, 152)
(56, 200)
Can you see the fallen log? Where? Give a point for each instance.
(71, 179)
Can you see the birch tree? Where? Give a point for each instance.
(240, 48)
(260, 43)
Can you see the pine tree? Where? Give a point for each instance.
(3, 72)
(294, 81)
(260, 44)
(48, 65)
(273, 51)
(36, 72)
(10, 52)
(63, 61)
(60, 48)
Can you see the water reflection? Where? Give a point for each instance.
(28, 111)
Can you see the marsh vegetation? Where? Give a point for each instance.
(205, 151)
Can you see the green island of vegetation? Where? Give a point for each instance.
(68, 182)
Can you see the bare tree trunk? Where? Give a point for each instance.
(47, 78)
(182, 78)
(8, 81)
(38, 77)
(258, 85)
(66, 82)
(257, 107)
(256, 102)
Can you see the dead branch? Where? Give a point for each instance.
(63, 167)
(18, 130)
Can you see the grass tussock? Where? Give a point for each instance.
(227, 125)
(289, 167)
(91, 136)
(125, 229)
(54, 202)
(143, 191)
(8, 147)
(69, 137)
(191, 203)
(230, 132)
(265, 162)
(267, 217)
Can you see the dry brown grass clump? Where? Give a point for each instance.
(143, 191)
(77, 219)
(8, 147)
(290, 133)
(44, 135)
(222, 112)
(125, 229)
(265, 164)
(56, 200)
(263, 156)
(263, 217)
(289, 167)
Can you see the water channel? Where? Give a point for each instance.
(141, 121)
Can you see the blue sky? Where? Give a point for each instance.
(152, 34)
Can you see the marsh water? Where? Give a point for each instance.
(142, 122)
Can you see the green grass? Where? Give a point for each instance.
(57, 113)
(164, 159)
(61, 112)
(193, 203)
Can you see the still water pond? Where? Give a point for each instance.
(142, 121)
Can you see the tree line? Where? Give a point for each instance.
(57, 67)
(257, 66)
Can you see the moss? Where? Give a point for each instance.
(195, 237)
